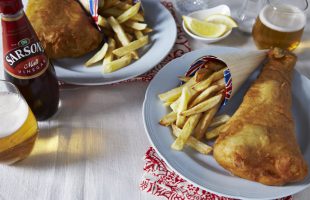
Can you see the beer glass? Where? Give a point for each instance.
(280, 24)
(18, 129)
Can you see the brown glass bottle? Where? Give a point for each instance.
(25, 63)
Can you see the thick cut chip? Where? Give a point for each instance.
(117, 64)
(131, 12)
(203, 106)
(187, 130)
(132, 46)
(98, 56)
(109, 55)
(192, 142)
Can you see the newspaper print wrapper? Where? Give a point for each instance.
(240, 66)
(92, 6)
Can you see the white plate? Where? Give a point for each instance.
(203, 170)
(161, 42)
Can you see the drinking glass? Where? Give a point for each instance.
(185, 7)
(19, 128)
(247, 14)
(280, 24)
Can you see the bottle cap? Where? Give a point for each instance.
(10, 7)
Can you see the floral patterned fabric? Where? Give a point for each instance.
(159, 180)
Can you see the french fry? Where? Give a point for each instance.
(103, 22)
(147, 30)
(129, 13)
(168, 103)
(98, 56)
(219, 82)
(205, 121)
(168, 119)
(184, 99)
(193, 142)
(176, 92)
(219, 120)
(187, 130)
(117, 28)
(202, 74)
(138, 17)
(200, 86)
(203, 106)
(135, 25)
(138, 34)
(214, 132)
(205, 94)
(215, 65)
(184, 78)
(109, 55)
(132, 46)
(175, 105)
(117, 64)
(115, 12)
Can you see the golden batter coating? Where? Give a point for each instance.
(258, 143)
(63, 27)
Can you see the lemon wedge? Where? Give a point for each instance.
(203, 28)
(222, 19)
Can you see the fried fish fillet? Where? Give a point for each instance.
(258, 143)
(63, 27)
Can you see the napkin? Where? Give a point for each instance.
(161, 181)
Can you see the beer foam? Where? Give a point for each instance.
(290, 20)
(13, 113)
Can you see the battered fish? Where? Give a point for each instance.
(258, 143)
(63, 27)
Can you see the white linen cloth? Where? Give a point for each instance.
(93, 147)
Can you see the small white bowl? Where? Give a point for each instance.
(202, 15)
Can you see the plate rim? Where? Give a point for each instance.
(97, 83)
(144, 114)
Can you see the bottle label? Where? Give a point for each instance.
(24, 56)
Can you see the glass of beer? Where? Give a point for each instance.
(19, 128)
(280, 24)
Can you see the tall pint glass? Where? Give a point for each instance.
(18, 129)
(280, 24)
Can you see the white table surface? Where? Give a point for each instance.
(93, 147)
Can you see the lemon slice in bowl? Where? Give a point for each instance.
(222, 19)
(203, 28)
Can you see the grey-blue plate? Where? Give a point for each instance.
(203, 170)
(162, 40)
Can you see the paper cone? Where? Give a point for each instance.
(240, 65)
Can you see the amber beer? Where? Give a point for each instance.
(18, 130)
(282, 27)
(25, 61)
